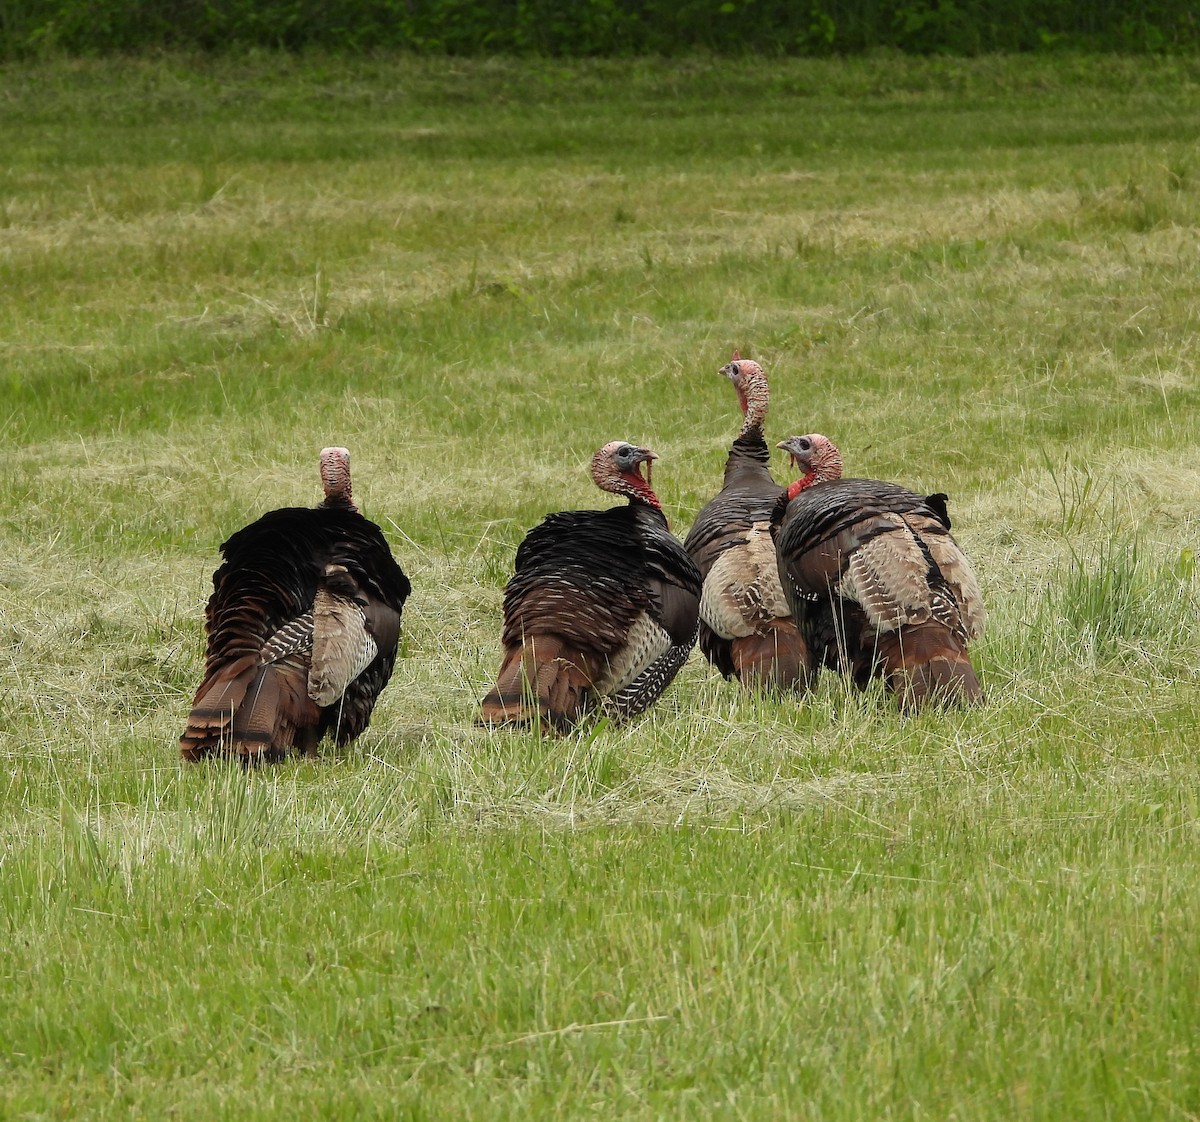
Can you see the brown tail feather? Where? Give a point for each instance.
(217, 700)
(224, 689)
(255, 722)
(926, 665)
(541, 680)
(509, 701)
(776, 658)
(250, 710)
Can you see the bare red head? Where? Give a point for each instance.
(754, 394)
(816, 457)
(335, 478)
(617, 468)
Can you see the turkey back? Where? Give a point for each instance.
(879, 587)
(255, 698)
(601, 608)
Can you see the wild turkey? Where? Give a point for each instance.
(876, 581)
(746, 627)
(601, 609)
(303, 625)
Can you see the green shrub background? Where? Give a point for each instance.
(581, 28)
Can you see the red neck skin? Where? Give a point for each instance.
(821, 473)
(801, 484)
(639, 491)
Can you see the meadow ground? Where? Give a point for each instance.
(978, 276)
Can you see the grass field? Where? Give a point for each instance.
(979, 276)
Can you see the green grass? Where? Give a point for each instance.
(977, 276)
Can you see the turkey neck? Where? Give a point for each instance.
(748, 454)
(336, 480)
(343, 502)
(634, 488)
(646, 498)
(749, 450)
(808, 480)
(754, 398)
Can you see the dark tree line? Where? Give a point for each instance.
(589, 28)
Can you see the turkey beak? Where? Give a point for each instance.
(786, 445)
